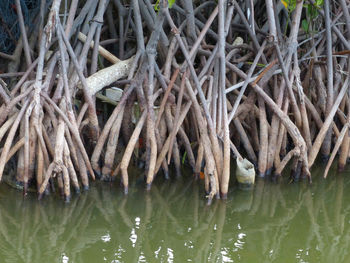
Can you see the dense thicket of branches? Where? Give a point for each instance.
(267, 80)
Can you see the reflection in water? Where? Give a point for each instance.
(271, 223)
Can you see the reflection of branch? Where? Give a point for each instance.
(5, 236)
(123, 214)
(280, 196)
(280, 226)
(180, 196)
(141, 232)
(173, 189)
(327, 224)
(314, 228)
(195, 204)
(258, 190)
(338, 202)
(219, 228)
(284, 225)
(205, 224)
(344, 240)
(101, 206)
(204, 239)
(81, 222)
(165, 208)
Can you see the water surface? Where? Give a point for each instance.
(272, 223)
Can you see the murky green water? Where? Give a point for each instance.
(272, 223)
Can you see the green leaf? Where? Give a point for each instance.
(312, 11)
(290, 5)
(305, 25)
(319, 3)
(170, 2)
(184, 158)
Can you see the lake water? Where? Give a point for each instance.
(271, 223)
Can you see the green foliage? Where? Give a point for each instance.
(311, 11)
(289, 5)
(311, 14)
(305, 25)
(184, 158)
(156, 6)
